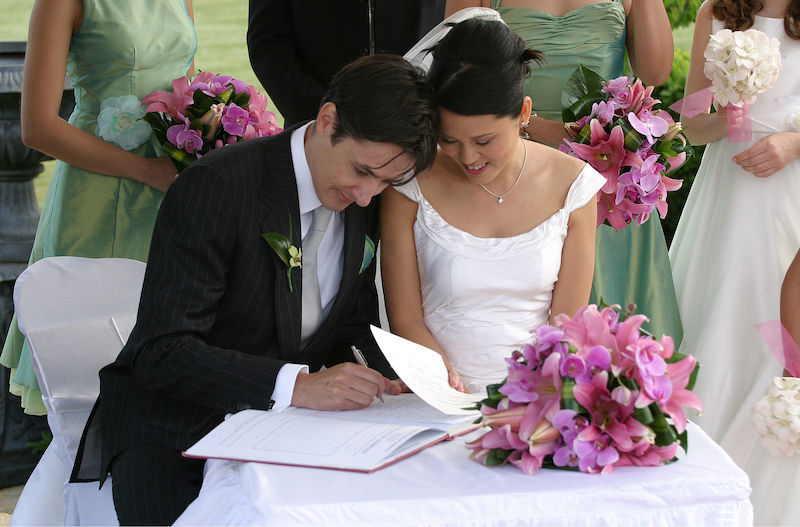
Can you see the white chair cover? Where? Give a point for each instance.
(76, 314)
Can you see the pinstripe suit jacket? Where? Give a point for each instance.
(216, 319)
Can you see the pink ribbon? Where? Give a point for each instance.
(782, 345)
(740, 128)
(695, 103)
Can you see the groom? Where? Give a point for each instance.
(226, 322)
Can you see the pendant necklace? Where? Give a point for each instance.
(502, 196)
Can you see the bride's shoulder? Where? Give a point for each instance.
(562, 168)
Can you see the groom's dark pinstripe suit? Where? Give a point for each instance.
(217, 320)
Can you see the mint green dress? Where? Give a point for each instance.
(123, 47)
(631, 265)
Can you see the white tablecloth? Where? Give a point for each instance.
(442, 486)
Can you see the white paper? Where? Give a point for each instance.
(407, 408)
(423, 370)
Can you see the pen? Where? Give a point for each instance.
(361, 360)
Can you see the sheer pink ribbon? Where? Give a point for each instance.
(782, 345)
(740, 128)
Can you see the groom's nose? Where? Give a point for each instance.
(366, 189)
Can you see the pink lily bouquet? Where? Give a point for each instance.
(207, 112)
(622, 134)
(590, 393)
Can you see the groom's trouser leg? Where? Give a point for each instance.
(153, 485)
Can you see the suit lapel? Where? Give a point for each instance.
(279, 193)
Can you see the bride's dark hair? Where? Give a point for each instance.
(479, 68)
(740, 15)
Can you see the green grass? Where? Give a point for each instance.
(221, 31)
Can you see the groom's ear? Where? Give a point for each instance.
(327, 118)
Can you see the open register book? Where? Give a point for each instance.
(363, 440)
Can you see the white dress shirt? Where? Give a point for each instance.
(329, 258)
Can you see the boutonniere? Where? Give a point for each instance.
(369, 254)
(290, 255)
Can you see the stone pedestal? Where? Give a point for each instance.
(19, 216)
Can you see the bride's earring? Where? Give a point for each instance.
(523, 132)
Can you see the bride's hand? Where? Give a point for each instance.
(455, 380)
(770, 154)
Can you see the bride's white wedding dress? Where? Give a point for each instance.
(481, 297)
(736, 238)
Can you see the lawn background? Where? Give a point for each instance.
(221, 31)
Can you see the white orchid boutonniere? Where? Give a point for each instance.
(290, 255)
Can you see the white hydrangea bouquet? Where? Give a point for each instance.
(776, 416)
(741, 65)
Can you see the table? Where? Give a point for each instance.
(441, 486)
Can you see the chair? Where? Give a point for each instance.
(76, 314)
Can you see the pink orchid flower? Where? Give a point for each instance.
(235, 120)
(211, 84)
(648, 124)
(184, 137)
(595, 452)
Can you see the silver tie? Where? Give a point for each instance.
(312, 303)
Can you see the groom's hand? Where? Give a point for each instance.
(346, 386)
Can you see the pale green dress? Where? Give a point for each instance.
(631, 265)
(123, 47)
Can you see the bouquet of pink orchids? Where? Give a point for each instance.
(207, 112)
(622, 134)
(590, 392)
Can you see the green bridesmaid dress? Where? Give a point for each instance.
(631, 265)
(130, 47)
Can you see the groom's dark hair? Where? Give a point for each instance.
(384, 99)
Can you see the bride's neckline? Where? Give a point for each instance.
(491, 238)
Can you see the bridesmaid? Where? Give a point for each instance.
(103, 198)
(631, 265)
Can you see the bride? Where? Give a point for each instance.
(498, 236)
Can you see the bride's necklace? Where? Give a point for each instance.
(501, 197)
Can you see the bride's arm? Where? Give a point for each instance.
(574, 282)
(400, 275)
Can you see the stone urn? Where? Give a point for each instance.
(19, 216)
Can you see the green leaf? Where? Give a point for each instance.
(497, 456)
(241, 99)
(547, 462)
(568, 401)
(633, 139)
(665, 432)
(369, 254)
(180, 158)
(683, 439)
(584, 87)
(643, 415)
(225, 96)
(202, 102)
(493, 395)
(280, 244)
